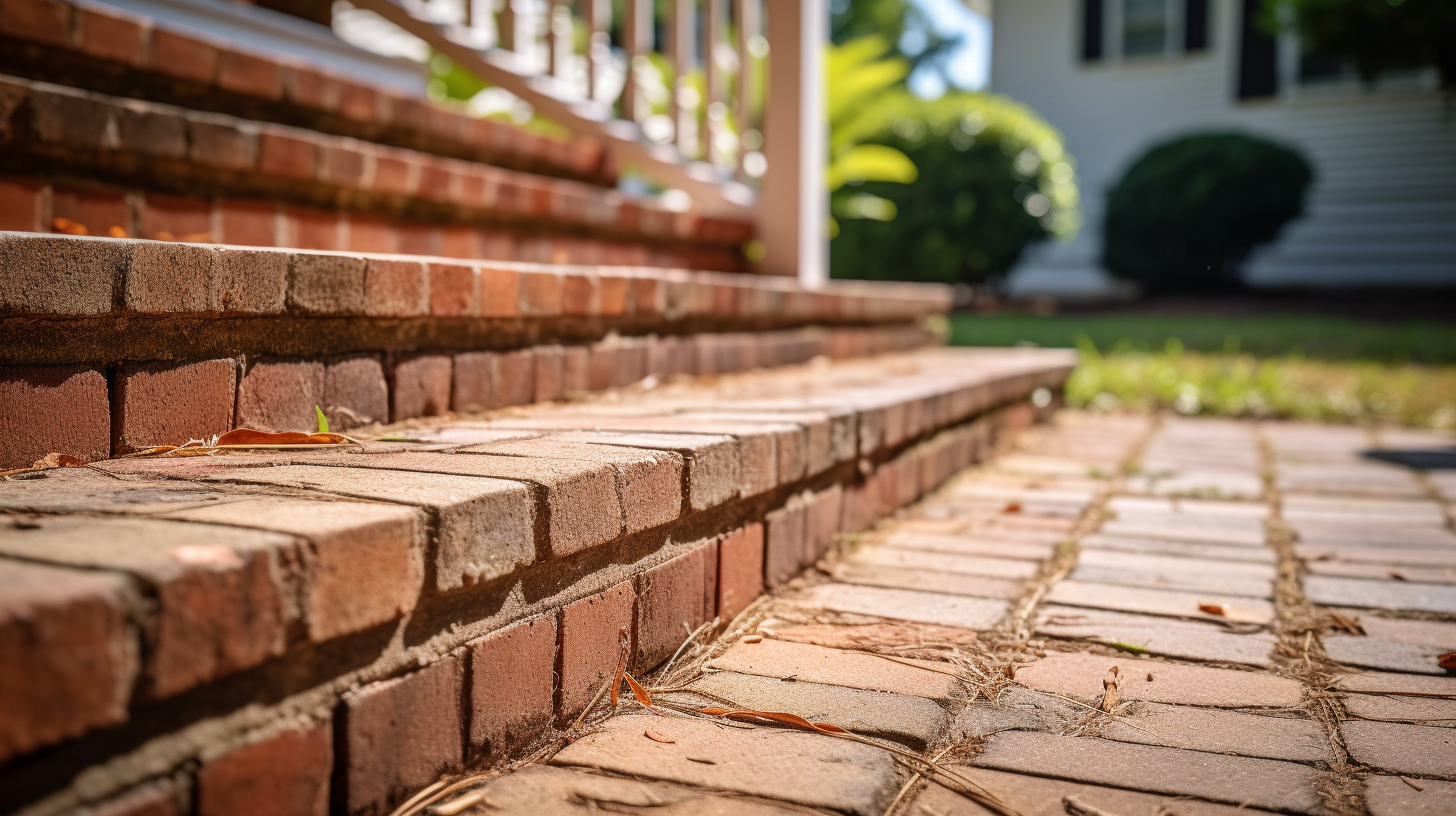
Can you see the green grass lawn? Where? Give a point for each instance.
(1326, 369)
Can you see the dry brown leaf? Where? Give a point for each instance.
(783, 717)
(1109, 690)
(1399, 576)
(1150, 677)
(1414, 784)
(1012, 507)
(1447, 661)
(703, 760)
(249, 438)
(753, 639)
(623, 643)
(1346, 624)
(59, 460)
(637, 691)
(69, 227)
(1214, 609)
(658, 737)
(116, 232)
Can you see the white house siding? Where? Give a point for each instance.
(1382, 210)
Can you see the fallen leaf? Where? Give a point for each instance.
(69, 227)
(622, 640)
(783, 717)
(1109, 690)
(753, 639)
(59, 460)
(656, 737)
(1214, 609)
(1447, 661)
(637, 691)
(116, 232)
(1399, 576)
(703, 760)
(1414, 784)
(1012, 507)
(249, 438)
(1075, 807)
(1150, 677)
(1350, 625)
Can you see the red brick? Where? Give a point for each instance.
(308, 88)
(740, 570)
(22, 205)
(244, 73)
(497, 246)
(355, 391)
(603, 368)
(173, 218)
(575, 370)
(459, 242)
(500, 292)
(342, 163)
(46, 21)
(514, 378)
(452, 290)
(417, 239)
(822, 523)
(165, 277)
(393, 173)
(148, 131)
(96, 210)
(512, 686)
(69, 657)
(286, 154)
(218, 141)
(550, 373)
(247, 281)
(279, 395)
(591, 644)
(286, 774)
(401, 735)
(371, 235)
(474, 382)
(184, 57)
(357, 102)
(674, 598)
(420, 386)
(612, 296)
(435, 177)
(247, 223)
(541, 294)
(784, 547)
(157, 798)
(579, 295)
(53, 410)
(394, 288)
(648, 297)
(168, 404)
(327, 284)
(113, 37)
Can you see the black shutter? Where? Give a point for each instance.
(1091, 30)
(1258, 56)
(1195, 25)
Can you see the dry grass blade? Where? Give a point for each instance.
(910, 783)
(783, 717)
(469, 800)
(409, 805)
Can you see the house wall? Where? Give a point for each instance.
(1382, 210)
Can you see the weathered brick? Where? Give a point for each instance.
(157, 798)
(166, 277)
(171, 403)
(219, 608)
(452, 290)
(474, 382)
(500, 292)
(248, 74)
(280, 395)
(549, 377)
(740, 570)
(327, 284)
(286, 154)
(591, 644)
(401, 735)
(579, 295)
(673, 599)
(147, 130)
(514, 378)
(343, 163)
(394, 288)
(355, 391)
(174, 218)
(313, 229)
(45, 21)
(512, 686)
(784, 547)
(575, 370)
(62, 409)
(541, 294)
(46, 274)
(70, 659)
(822, 523)
(286, 774)
(22, 204)
(248, 223)
(420, 386)
(112, 36)
(367, 234)
(94, 211)
(357, 102)
(363, 563)
(184, 57)
(247, 282)
(221, 141)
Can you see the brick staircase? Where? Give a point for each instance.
(576, 416)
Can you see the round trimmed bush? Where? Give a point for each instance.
(1186, 215)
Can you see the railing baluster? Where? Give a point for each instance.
(682, 45)
(637, 40)
(715, 119)
(558, 36)
(506, 26)
(747, 14)
(598, 44)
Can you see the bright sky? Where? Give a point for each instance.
(970, 65)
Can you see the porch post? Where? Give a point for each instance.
(793, 205)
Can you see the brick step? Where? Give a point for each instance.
(108, 50)
(114, 345)
(446, 599)
(114, 166)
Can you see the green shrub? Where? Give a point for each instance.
(970, 213)
(1186, 215)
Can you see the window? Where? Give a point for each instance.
(1144, 27)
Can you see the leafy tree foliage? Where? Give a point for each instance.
(1375, 35)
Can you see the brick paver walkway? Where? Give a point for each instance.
(1125, 616)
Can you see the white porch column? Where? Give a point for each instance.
(793, 207)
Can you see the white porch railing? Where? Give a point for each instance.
(709, 144)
